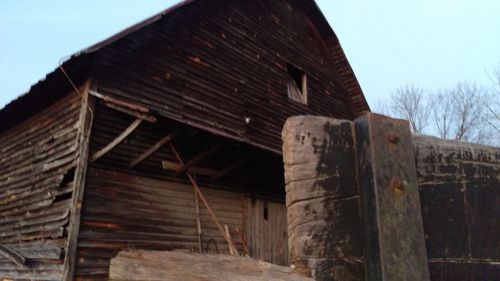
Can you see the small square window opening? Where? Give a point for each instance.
(296, 84)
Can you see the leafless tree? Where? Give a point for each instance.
(493, 105)
(409, 103)
(464, 112)
(382, 106)
(441, 112)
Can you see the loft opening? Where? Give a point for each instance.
(296, 84)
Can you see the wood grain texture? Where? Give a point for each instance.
(36, 158)
(123, 211)
(213, 65)
(179, 266)
(394, 233)
(324, 220)
(459, 185)
(267, 237)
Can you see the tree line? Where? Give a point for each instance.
(465, 112)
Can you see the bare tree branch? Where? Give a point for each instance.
(441, 112)
(409, 103)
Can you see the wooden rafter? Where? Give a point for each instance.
(232, 248)
(159, 144)
(198, 158)
(174, 166)
(119, 102)
(135, 113)
(230, 168)
(117, 140)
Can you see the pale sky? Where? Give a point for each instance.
(432, 43)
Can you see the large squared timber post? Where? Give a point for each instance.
(395, 245)
(323, 206)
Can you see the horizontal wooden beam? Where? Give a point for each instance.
(117, 140)
(119, 102)
(198, 158)
(166, 139)
(231, 168)
(135, 113)
(174, 166)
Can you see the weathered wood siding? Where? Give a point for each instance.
(266, 230)
(122, 211)
(35, 189)
(212, 64)
(460, 196)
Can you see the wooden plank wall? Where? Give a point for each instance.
(35, 190)
(214, 64)
(267, 238)
(122, 211)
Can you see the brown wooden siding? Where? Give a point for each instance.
(122, 211)
(212, 64)
(35, 189)
(267, 234)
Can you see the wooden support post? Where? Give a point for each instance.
(243, 242)
(84, 131)
(116, 141)
(159, 144)
(232, 248)
(198, 158)
(324, 221)
(395, 246)
(228, 235)
(198, 221)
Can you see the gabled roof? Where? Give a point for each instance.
(78, 66)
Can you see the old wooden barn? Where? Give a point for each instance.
(166, 136)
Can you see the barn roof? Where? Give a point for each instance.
(78, 66)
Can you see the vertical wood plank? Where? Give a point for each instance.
(86, 118)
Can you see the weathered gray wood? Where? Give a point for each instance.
(12, 255)
(322, 197)
(395, 246)
(179, 266)
(117, 140)
(86, 120)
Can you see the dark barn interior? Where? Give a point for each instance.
(139, 197)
